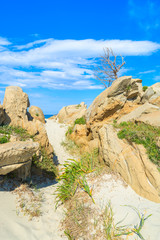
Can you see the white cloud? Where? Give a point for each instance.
(62, 64)
(147, 72)
(4, 41)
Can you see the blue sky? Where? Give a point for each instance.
(49, 48)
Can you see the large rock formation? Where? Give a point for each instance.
(125, 101)
(114, 98)
(17, 155)
(70, 113)
(131, 162)
(15, 106)
(37, 113)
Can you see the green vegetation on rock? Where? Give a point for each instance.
(81, 120)
(144, 134)
(4, 139)
(46, 165)
(16, 131)
(145, 88)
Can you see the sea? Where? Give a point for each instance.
(48, 115)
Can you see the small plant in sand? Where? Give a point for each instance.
(73, 174)
(71, 147)
(29, 201)
(69, 130)
(113, 230)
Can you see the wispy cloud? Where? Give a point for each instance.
(61, 64)
(145, 13)
(147, 72)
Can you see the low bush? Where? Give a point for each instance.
(145, 88)
(81, 120)
(4, 139)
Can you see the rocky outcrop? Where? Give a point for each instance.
(131, 162)
(2, 116)
(114, 98)
(37, 113)
(70, 113)
(15, 105)
(17, 155)
(139, 112)
(152, 95)
(124, 101)
(37, 129)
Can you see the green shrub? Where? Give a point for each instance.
(81, 120)
(142, 134)
(4, 139)
(145, 88)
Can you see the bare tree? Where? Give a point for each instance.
(107, 70)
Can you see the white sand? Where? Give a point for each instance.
(14, 227)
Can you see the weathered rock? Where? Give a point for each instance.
(113, 99)
(79, 135)
(15, 105)
(135, 92)
(138, 112)
(119, 86)
(152, 118)
(148, 94)
(37, 113)
(70, 113)
(15, 155)
(131, 162)
(152, 95)
(37, 129)
(2, 116)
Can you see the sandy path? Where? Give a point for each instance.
(56, 134)
(47, 226)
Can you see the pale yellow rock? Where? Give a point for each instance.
(131, 162)
(15, 155)
(144, 110)
(114, 98)
(37, 113)
(15, 105)
(70, 113)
